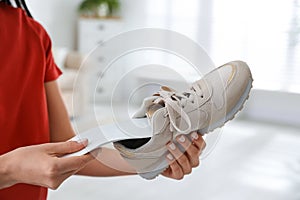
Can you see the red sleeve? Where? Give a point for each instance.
(52, 72)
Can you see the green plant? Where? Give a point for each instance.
(91, 6)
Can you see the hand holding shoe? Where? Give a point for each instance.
(181, 164)
(209, 103)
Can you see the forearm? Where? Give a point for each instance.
(5, 176)
(59, 122)
(108, 163)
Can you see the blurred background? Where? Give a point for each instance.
(258, 154)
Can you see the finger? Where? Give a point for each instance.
(192, 151)
(174, 170)
(180, 157)
(74, 163)
(198, 141)
(61, 148)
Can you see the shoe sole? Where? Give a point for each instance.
(163, 165)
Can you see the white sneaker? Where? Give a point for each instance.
(208, 104)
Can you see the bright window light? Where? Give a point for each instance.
(265, 34)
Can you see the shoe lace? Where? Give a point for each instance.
(175, 103)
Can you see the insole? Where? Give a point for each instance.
(101, 135)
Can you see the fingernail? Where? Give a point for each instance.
(170, 157)
(172, 146)
(195, 135)
(203, 146)
(181, 139)
(83, 141)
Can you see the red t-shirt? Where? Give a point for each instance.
(26, 63)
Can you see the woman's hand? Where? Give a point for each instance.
(42, 164)
(181, 164)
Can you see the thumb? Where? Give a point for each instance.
(61, 148)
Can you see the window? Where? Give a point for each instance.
(266, 34)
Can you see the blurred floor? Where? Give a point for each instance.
(251, 161)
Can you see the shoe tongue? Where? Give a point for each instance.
(155, 118)
(152, 109)
(156, 106)
(166, 88)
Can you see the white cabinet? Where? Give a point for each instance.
(91, 32)
(94, 31)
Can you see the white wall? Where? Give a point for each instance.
(59, 19)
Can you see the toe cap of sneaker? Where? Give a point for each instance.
(236, 78)
(229, 83)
